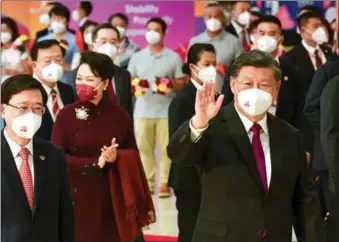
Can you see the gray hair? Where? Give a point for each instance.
(217, 5)
(256, 58)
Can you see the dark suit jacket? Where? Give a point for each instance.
(181, 109)
(312, 108)
(234, 206)
(67, 97)
(122, 90)
(46, 31)
(230, 29)
(329, 131)
(52, 216)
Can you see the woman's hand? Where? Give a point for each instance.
(110, 153)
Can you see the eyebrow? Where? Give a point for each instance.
(86, 76)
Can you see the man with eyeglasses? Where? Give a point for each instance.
(35, 198)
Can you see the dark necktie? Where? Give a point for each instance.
(318, 61)
(259, 155)
(260, 161)
(246, 46)
(112, 93)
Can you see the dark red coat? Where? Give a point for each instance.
(82, 140)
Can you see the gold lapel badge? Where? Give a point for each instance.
(42, 157)
(285, 78)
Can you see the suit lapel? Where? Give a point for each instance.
(308, 65)
(275, 144)
(10, 171)
(118, 83)
(39, 159)
(240, 136)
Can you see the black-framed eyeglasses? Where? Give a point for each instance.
(39, 110)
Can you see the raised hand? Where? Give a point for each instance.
(108, 154)
(206, 107)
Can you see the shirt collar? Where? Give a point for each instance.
(162, 52)
(15, 148)
(310, 49)
(47, 88)
(82, 21)
(237, 27)
(196, 84)
(248, 123)
(219, 37)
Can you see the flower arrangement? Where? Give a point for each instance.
(21, 43)
(162, 86)
(139, 86)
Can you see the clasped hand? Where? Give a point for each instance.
(108, 154)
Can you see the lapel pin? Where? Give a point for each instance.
(286, 78)
(42, 157)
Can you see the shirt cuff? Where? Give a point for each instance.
(196, 133)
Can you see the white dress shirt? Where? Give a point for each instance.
(15, 148)
(82, 22)
(264, 137)
(239, 29)
(311, 51)
(50, 99)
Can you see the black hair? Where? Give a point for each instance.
(311, 8)
(45, 44)
(303, 19)
(256, 58)
(12, 25)
(101, 65)
(104, 26)
(253, 25)
(159, 21)
(16, 84)
(269, 19)
(194, 55)
(60, 10)
(87, 6)
(235, 2)
(87, 24)
(118, 15)
(256, 13)
(291, 38)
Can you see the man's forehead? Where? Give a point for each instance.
(267, 25)
(107, 33)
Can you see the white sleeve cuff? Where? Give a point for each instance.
(196, 133)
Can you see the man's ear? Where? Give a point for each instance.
(232, 85)
(277, 89)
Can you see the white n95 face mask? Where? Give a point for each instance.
(52, 72)
(213, 24)
(5, 37)
(207, 74)
(88, 38)
(58, 27)
(267, 43)
(254, 101)
(320, 36)
(108, 49)
(26, 125)
(44, 19)
(153, 37)
(75, 15)
(244, 18)
(122, 31)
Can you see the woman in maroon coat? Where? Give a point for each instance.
(90, 132)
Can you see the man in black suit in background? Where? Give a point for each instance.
(48, 59)
(329, 133)
(254, 169)
(36, 204)
(105, 40)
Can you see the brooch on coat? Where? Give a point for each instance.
(81, 113)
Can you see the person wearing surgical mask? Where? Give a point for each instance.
(151, 110)
(241, 19)
(216, 35)
(127, 47)
(59, 20)
(47, 62)
(82, 12)
(200, 65)
(106, 40)
(98, 139)
(13, 61)
(86, 32)
(33, 174)
(241, 151)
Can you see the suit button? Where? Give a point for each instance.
(75, 133)
(34, 222)
(73, 203)
(75, 189)
(98, 113)
(88, 122)
(259, 233)
(75, 149)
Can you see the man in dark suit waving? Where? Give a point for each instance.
(36, 203)
(256, 161)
